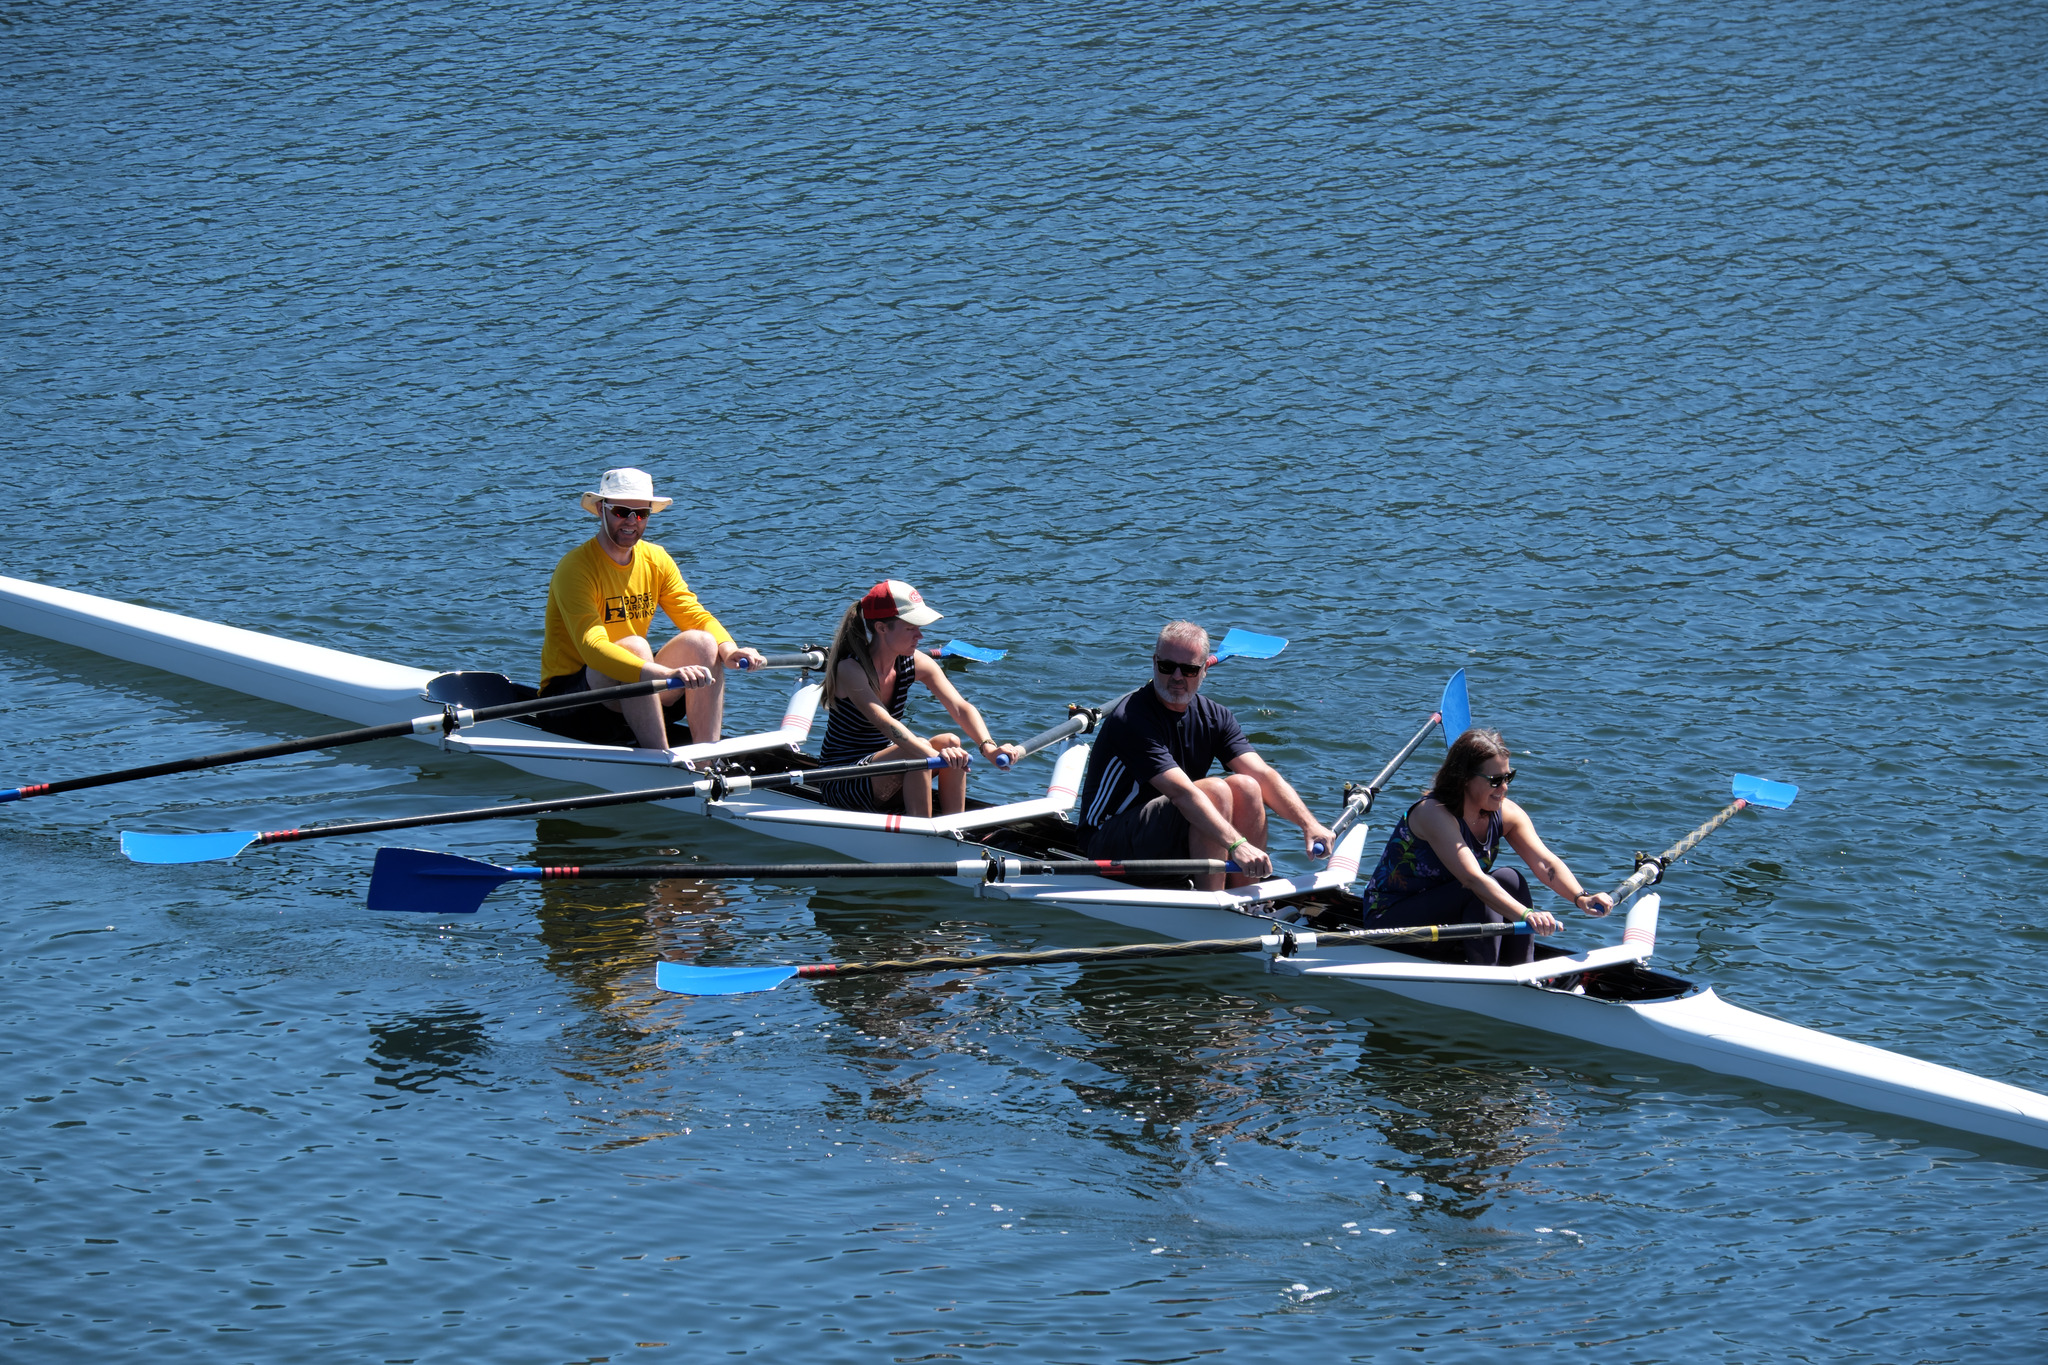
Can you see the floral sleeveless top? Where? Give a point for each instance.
(1410, 866)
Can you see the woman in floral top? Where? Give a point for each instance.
(1438, 866)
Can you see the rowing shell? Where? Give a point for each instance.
(1604, 996)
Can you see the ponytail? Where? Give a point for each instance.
(854, 639)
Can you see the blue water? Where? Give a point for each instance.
(1679, 374)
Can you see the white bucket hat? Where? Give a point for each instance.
(625, 485)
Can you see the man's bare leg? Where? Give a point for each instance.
(1237, 798)
(643, 714)
(703, 706)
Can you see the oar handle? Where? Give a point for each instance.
(810, 658)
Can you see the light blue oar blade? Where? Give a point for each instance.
(185, 848)
(1759, 791)
(681, 978)
(1246, 644)
(963, 650)
(412, 879)
(1456, 709)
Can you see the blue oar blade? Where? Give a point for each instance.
(1456, 708)
(681, 978)
(961, 649)
(1246, 644)
(1759, 791)
(185, 848)
(412, 879)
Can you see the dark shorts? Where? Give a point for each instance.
(597, 724)
(1451, 903)
(858, 793)
(1156, 829)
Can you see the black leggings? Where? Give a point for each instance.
(1454, 903)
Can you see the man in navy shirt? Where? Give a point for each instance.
(1148, 793)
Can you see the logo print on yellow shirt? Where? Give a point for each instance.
(632, 605)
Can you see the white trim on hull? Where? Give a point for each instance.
(1691, 1025)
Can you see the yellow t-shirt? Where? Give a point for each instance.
(592, 602)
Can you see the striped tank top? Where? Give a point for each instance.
(1410, 865)
(849, 738)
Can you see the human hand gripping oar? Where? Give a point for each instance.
(203, 848)
(415, 880)
(448, 720)
(211, 847)
(1747, 791)
(683, 978)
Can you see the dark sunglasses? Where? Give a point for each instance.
(1169, 668)
(622, 513)
(1498, 780)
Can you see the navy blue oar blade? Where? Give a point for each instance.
(186, 848)
(414, 880)
(681, 978)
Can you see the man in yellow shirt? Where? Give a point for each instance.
(601, 602)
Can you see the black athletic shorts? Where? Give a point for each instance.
(1156, 829)
(597, 724)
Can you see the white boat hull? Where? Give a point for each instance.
(1689, 1025)
(1698, 1028)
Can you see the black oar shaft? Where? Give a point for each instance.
(967, 867)
(452, 718)
(1066, 729)
(1124, 952)
(681, 791)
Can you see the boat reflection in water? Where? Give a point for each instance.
(421, 1053)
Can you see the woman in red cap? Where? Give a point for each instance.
(868, 674)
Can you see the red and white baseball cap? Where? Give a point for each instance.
(893, 599)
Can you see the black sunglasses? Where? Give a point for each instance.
(624, 512)
(1499, 780)
(1169, 668)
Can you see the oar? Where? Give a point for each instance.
(684, 978)
(1747, 790)
(1358, 800)
(1247, 644)
(212, 847)
(413, 879)
(961, 649)
(1456, 708)
(203, 848)
(1082, 720)
(447, 721)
